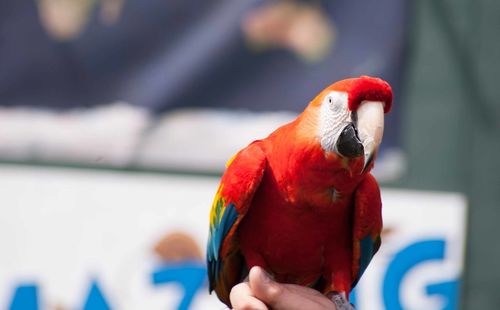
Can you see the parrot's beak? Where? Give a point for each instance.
(348, 144)
(370, 126)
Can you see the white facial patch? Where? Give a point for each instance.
(334, 115)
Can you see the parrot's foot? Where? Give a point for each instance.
(340, 301)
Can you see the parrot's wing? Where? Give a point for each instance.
(233, 199)
(367, 225)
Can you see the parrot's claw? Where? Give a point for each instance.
(340, 301)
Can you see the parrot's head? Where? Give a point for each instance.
(351, 117)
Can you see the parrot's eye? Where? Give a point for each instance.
(335, 105)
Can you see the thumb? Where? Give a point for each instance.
(286, 296)
(264, 288)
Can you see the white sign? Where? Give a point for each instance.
(420, 262)
(84, 239)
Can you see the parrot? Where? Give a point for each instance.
(302, 203)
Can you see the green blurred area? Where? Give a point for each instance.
(451, 127)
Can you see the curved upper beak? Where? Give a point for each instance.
(370, 127)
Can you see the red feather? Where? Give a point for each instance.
(302, 214)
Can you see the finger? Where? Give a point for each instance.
(285, 296)
(242, 298)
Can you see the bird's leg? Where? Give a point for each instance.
(337, 280)
(336, 287)
(340, 301)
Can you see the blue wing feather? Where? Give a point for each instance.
(368, 248)
(225, 219)
(232, 201)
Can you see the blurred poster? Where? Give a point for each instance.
(159, 56)
(84, 239)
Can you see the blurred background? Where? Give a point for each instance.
(117, 116)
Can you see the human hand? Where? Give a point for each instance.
(262, 293)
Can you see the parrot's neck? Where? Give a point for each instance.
(306, 173)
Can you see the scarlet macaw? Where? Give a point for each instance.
(302, 203)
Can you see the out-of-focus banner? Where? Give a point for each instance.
(135, 82)
(83, 239)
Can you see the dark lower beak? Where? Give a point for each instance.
(348, 143)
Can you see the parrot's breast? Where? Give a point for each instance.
(296, 242)
(299, 225)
